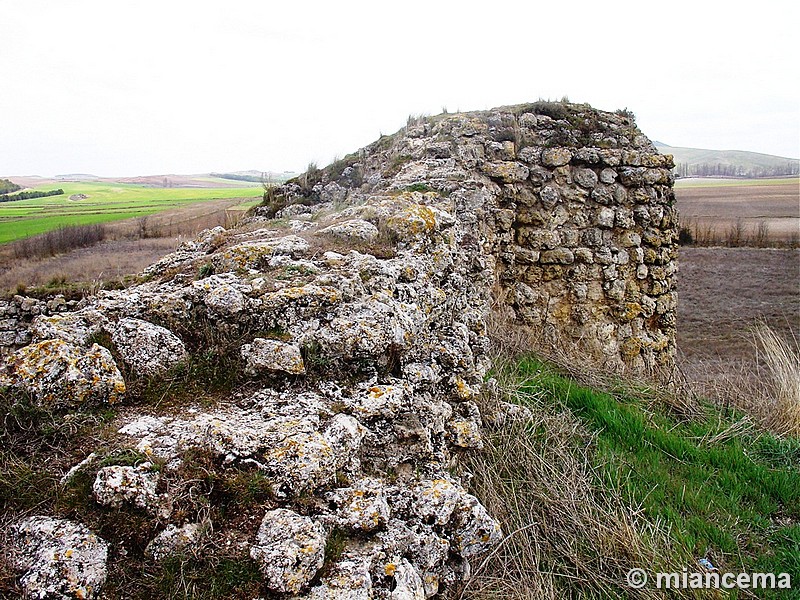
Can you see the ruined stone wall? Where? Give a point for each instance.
(588, 241)
(17, 314)
(576, 207)
(352, 309)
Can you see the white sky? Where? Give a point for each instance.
(117, 87)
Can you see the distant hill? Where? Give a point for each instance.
(77, 177)
(256, 176)
(697, 162)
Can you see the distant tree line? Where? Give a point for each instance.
(237, 177)
(29, 195)
(722, 170)
(8, 187)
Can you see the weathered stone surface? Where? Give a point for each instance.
(585, 178)
(273, 355)
(362, 507)
(507, 172)
(175, 540)
(556, 157)
(76, 327)
(475, 530)
(417, 221)
(407, 581)
(256, 254)
(117, 485)
(349, 579)
(147, 348)
(355, 229)
(559, 256)
(223, 295)
(289, 550)
(59, 559)
(59, 374)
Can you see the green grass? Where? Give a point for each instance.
(725, 491)
(106, 202)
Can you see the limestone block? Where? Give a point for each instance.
(356, 229)
(272, 355)
(117, 485)
(60, 374)
(60, 559)
(147, 348)
(586, 178)
(556, 157)
(289, 550)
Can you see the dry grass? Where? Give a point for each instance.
(781, 376)
(755, 233)
(108, 260)
(575, 506)
(766, 385)
(512, 339)
(565, 533)
(59, 240)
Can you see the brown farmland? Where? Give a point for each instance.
(722, 294)
(759, 212)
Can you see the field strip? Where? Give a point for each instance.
(706, 183)
(104, 203)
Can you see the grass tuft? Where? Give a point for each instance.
(779, 398)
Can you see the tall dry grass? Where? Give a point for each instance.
(59, 240)
(566, 534)
(775, 390)
(706, 233)
(765, 384)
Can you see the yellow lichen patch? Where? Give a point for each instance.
(631, 347)
(390, 569)
(561, 310)
(412, 222)
(462, 389)
(376, 392)
(632, 310)
(465, 434)
(311, 295)
(58, 372)
(437, 488)
(507, 171)
(246, 255)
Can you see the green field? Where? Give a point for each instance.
(105, 202)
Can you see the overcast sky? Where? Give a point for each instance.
(145, 87)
